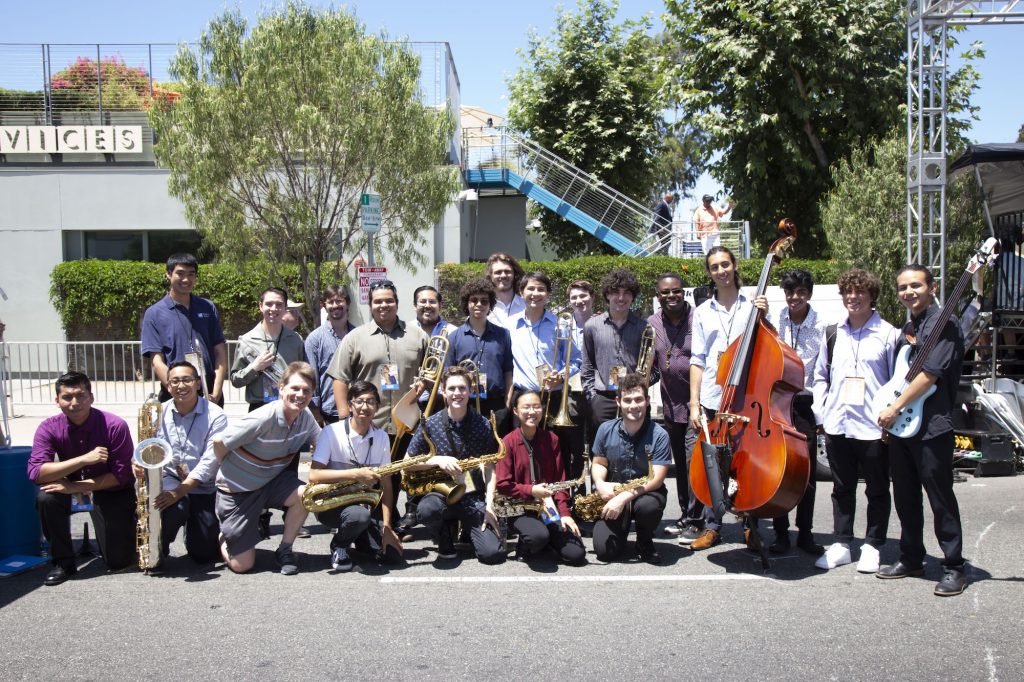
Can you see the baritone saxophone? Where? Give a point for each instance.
(321, 497)
(152, 454)
(434, 480)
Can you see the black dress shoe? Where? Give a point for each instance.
(58, 574)
(807, 544)
(952, 583)
(898, 570)
(648, 555)
(781, 544)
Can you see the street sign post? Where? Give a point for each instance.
(369, 219)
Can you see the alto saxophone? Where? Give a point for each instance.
(506, 505)
(434, 480)
(152, 454)
(589, 507)
(321, 497)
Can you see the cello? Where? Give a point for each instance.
(755, 462)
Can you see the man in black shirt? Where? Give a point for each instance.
(925, 459)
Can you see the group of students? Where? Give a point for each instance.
(523, 356)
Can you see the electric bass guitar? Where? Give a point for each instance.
(908, 421)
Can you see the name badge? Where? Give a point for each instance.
(853, 390)
(270, 389)
(81, 502)
(481, 387)
(614, 374)
(195, 358)
(549, 512)
(389, 376)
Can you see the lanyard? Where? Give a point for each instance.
(529, 453)
(187, 315)
(732, 318)
(352, 448)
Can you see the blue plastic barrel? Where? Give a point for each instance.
(19, 523)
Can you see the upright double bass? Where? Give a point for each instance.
(755, 462)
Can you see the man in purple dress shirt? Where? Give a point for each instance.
(82, 460)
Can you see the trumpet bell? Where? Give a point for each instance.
(153, 453)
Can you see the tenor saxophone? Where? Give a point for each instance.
(506, 505)
(152, 454)
(589, 507)
(321, 497)
(434, 480)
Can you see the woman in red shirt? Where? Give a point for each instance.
(533, 460)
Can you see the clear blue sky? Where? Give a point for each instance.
(484, 37)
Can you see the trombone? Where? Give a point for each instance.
(563, 332)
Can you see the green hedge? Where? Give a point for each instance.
(103, 299)
(647, 270)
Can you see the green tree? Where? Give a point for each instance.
(865, 217)
(592, 93)
(785, 89)
(279, 131)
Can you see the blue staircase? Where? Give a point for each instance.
(497, 158)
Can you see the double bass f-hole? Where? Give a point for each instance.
(760, 418)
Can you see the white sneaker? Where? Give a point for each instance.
(868, 559)
(837, 554)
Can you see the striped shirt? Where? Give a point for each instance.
(260, 445)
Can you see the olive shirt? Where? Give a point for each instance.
(288, 347)
(366, 348)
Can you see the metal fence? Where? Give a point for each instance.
(119, 373)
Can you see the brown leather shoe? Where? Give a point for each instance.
(751, 547)
(709, 538)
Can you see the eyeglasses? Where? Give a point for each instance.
(182, 381)
(382, 284)
(360, 402)
(669, 292)
(479, 301)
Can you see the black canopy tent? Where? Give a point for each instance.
(999, 171)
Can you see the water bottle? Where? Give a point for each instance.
(44, 547)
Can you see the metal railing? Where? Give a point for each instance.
(498, 148)
(119, 373)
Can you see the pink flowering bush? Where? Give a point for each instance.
(123, 87)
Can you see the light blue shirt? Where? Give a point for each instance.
(805, 338)
(714, 328)
(868, 352)
(191, 438)
(502, 314)
(533, 345)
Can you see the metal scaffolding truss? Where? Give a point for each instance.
(927, 23)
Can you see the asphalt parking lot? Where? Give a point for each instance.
(709, 615)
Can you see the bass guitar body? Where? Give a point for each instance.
(770, 463)
(908, 421)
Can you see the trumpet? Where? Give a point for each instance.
(434, 480)
(563, 332)
(406, 413)
(471, 367)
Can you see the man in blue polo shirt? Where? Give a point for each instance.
(181, 326)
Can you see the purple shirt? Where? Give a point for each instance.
(57, 439)
(675, 375)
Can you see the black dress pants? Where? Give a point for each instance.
(195, 513)
(803, 420)
(433, 512)
(917, 463)
(682, 439)
(646, 510)
(113, 518)
(356, 523)
(535, 535)
(844, 456)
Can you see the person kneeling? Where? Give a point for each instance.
(347, 452)
(254, 455)
(627, 448)
(458, 433)
(532, 462)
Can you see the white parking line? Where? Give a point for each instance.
(574, 578)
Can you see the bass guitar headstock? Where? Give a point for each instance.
(984, 256)
(784, 244)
